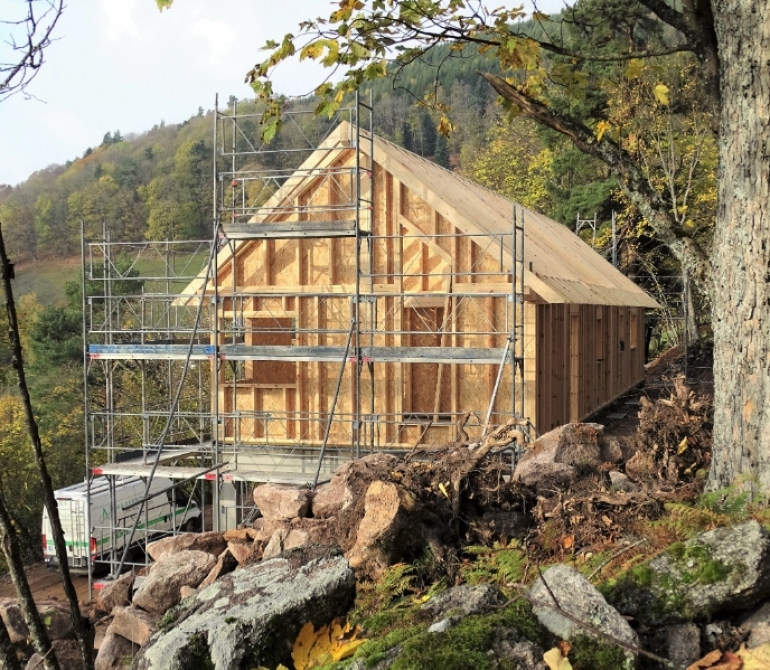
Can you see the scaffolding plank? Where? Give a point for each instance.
(290, 229)
(150, 351)
(162, 471)
(243, 352)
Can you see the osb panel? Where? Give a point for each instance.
(284, 265)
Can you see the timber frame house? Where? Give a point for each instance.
(367, 300)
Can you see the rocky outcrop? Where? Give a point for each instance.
(160, 589)
(563, 589)
(251, 617)
(723, 570)
(212, 542)
(280, 502)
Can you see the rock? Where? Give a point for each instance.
(186, 592)
(757, 625)
(252, 616)
(389, 530)
(579, 598)
(67, 653)
(54, 615)
(212, 542)
(679, 643)
(723, 570)
(579, 444)
(134, 624)
(225, 563)
(241, 534)
(116, 593)
(275, 544)
(333, 497)
(611, 451)
(13, 618)
(281, 502)
(240, 551)
(114, 651)
(443, 625)
(621, 482)
(465, 600)
(57, 619)
(160, 589)
(509, 646)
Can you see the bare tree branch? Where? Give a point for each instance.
(29, 37)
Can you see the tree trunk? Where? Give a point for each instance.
(38, 632)
(83, 630)
(741, 258)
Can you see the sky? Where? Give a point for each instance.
(123, 65)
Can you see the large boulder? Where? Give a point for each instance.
(13, 619)
(115, 651)
(212, 542)
(722, 570)
(252, 616)
(281, 502)
(115, 593)
(159, 591)
(563, 589)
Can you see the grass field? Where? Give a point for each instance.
(47, 278)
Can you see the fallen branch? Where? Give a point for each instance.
(620, 552)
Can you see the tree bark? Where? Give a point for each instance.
(38, 633)
(82, 631)
(741, 259)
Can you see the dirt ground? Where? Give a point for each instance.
(45, 584)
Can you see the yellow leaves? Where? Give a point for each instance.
(601, 128)
(443, 489)
(445, 126)
(539, 16)
(682, 447)
(661, 94)
(328, 644)
(634, 69)
(556, 658)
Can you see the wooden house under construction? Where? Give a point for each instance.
(372, 300)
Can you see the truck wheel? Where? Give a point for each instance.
(191, 525)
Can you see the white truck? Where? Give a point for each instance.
(164, 512)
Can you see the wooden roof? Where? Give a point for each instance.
(559, 266)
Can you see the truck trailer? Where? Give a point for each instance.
(165, 512)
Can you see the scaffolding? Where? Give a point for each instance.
(185, 387)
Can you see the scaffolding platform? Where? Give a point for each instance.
(290, 230)
(243, 352)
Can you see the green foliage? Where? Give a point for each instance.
(497, 564)
(590, 654)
